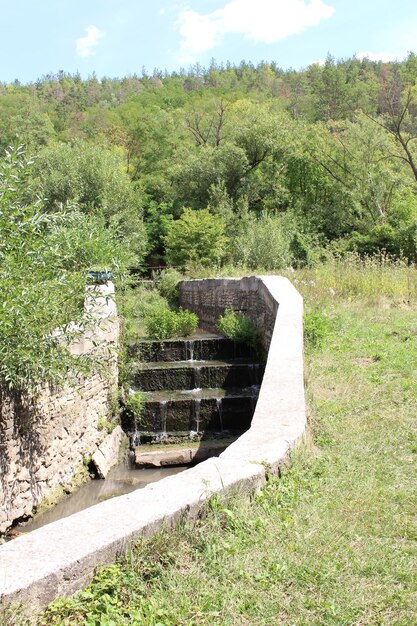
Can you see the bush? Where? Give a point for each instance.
(187, 322)
(95, 177)
(134, 404)
(161, 323)
(263, 243)
(164, 324)
(134, 305)
(45, 257)
(238, 327)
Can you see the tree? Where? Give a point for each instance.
(196, 237)
(44, 261)
(95, 179)
(398, 106)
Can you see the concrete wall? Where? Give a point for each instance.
(210, 297)
(44, 439)
(60, 558)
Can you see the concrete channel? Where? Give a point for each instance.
(59, 559)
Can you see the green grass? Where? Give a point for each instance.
(334, 541)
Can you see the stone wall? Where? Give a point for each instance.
(210, 297)
(44, 440)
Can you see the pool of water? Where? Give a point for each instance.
(120, 480)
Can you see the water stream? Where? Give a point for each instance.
(120, 480)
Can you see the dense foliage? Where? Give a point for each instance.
(45, 256)
(249, 166)
(163, 323)
(238, 327)
(330, 148)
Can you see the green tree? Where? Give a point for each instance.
(264, 242)
(94, 177)
(196, 237)
(44, 261)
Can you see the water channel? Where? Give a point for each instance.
(121, 479)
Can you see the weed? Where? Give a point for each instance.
(316, 327)
(134, 404)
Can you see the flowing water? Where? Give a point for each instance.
(120, 480)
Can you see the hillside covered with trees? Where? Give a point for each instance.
(282, 165)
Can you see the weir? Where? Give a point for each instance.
(209, 397)
(61, 558)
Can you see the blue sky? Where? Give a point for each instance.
(119, 37)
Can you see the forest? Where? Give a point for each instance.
(244, 165)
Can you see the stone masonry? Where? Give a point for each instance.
(61, 558)
(44, 440)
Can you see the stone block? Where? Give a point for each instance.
(107, 454)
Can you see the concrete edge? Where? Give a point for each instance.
(59, 559)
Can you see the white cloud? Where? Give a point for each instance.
(385, 57)
(263, 21)
(84, 46)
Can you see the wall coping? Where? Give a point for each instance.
(59, 559)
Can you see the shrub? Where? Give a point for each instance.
(134, 404)
(238, 327)
(187, 322)
(161, 323)
(168, 284)
(263, 243)
(96, 178)
(45, 256)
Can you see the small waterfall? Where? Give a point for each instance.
(163, 408)
(134, 438)
(197, 378)
(189, 350)
(197, 407)
(219, 412)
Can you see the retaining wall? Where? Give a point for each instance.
(44, 439)
(60, 558)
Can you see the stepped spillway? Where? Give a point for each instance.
(201, 387)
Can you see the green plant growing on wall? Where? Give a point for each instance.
(134, 405)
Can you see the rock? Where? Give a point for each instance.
(107, 454)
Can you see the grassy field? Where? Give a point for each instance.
(334, 541)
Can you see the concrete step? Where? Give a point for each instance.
(196, 374)
(172, 455)
(179, 413)
(200, 348)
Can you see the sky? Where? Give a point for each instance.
(116, 38)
